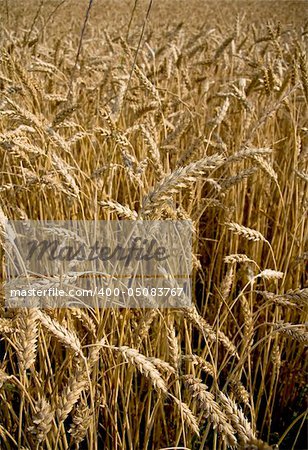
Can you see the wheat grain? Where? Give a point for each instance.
(70, 394)
(42, 420)
(246, 232)
(296, 332)
(188, 416)
(27, 336)
(144, 365)
(81, 421)
(211, 409)
(67, 337)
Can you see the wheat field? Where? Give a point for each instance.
(159, 110)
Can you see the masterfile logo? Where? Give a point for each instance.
(98, 263)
